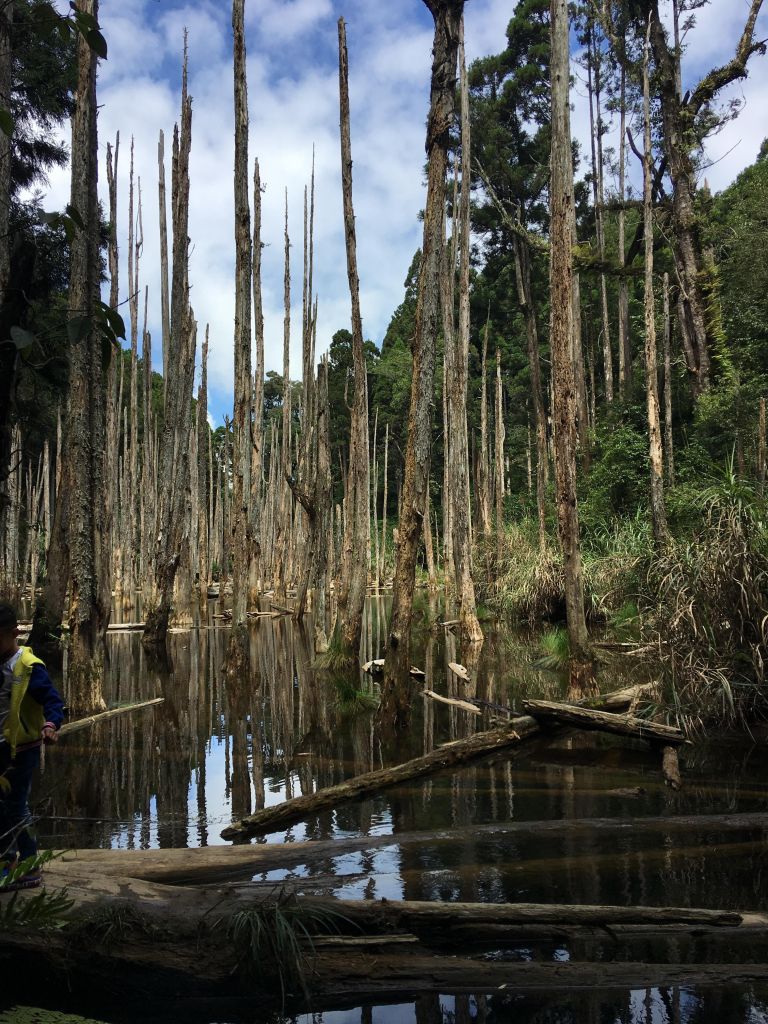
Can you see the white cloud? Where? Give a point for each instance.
(293, 103)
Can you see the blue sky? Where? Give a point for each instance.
(293, 101)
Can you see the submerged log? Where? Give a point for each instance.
(84, 723)
(449, 754)
(621, 725)
(218, 863)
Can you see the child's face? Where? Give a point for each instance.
(8, 643)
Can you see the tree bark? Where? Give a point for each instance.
(561, 289)
(447, 16)
(90, 597)
(620, 725)
(658, 515)
(257, 436)
(668, 446)
(237, 657)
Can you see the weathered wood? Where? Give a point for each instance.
(85, 723)
(670, 767)
(218, 863)
(459, 670)
(446, 756)
(621, 725)
(463, 704)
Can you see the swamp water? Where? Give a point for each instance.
(216, 750)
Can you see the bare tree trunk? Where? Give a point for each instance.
(376, 579)
(447, 17)
(202, 470)
(484, 469)
(8, 352)
(596, 138)
(668, 448)
(561, 290)
(323, 556)
(237, 659)
(499, 461)
(384, 504)
(761, 447)
(132, 441)
(625, 350)
(257, 435)
(114, 394)
(164, 305)
(658, 515)
(284, 511)
(457, 393)
(353, 577)
(86, 412)
(172, 519)
(525, 298)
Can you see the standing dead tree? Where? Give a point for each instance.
(238, 647)
(90, 589)
(353, 582)
(447, 18)
(172, 520)
(561, 292)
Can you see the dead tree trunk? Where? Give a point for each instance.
(203, 459)
(447, 16)
(172, 520)
(561, 284)
(242, 447)
(352, 587)
(525, 298)
(499, 461)
(658, 515)
(457, 392)
(668, 449)
(90, 596)
(484, 469)
(625, 349)
(257, 435)
(164, 310)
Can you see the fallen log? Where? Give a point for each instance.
(463, 704)
(449, 754)
(281, 608)
(213, 864)
(621, 725)
(85, 723)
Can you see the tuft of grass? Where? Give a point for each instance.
(275, 938)
(350, 700)
(556, 648)
(43, 911)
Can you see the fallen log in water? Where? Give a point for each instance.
(85, 723)
(463, 704)
(460, 751)
(621, 725)
(218, 863)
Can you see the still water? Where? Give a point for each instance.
(217, 749)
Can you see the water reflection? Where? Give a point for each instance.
(220, 748)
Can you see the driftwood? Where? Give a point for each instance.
(463, 704)
(621, 725)
(85, 723)
(449, 754)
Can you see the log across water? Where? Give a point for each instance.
(459, 752)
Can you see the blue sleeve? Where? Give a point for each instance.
(45, 693)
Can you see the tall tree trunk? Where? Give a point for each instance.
(8, 351)
(596, 138)
(173, 514)
(457, 392)
(499, 461)
(525, 298)
(165, 314)
(658, 515)
(668, 447)
(90, 597)
(484, 469)
(257, 429)
(352, 587)
(625, 350)
(322, 555)
(242, 448)
(202, 470)
(447, 17)
(561, 291)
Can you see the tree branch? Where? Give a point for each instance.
(718, 78)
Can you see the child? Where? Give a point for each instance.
(31, 711)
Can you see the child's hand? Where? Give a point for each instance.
(50, 735)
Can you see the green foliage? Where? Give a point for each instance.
(274, 939)
(351, 700)
(22, 910)
(556, 648)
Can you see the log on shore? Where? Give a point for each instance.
(219, 863)
(446, 756)
(621, 725)
(85, 723)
